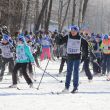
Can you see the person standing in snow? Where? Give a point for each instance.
(87, 60)
(97, 52)
(75, 46)
(105, 46)
(23, 57)
(46, 43)
(6, 54)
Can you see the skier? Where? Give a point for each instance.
(97, 53)
(23, 57)
(87, 60)
(75, 45)
(37, 49)
(46, 43)
(7, 54)
(106, 56)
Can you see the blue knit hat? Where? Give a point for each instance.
(6, 37)
(106, 36)
(21, 37)
(74, 28)
(28, 37)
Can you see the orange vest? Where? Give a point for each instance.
(106, 42)
(106, 46)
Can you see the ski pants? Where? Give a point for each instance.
(23, 66)
(106, 64)
(4, 61)
(72, 66)
(86, 69)
(63, 60)
(45, 51)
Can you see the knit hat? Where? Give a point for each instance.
(28, 37)
(74, 28)
(21, 37)
(106, 36)
(6, 37)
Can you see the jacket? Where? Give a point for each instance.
(83, 48)
(24, 54)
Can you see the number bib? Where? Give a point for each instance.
(21, 54)
(73, 46)
(7, 52)
(45, 42)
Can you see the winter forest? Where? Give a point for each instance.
(32, 15)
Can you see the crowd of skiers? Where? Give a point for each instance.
(23, 50)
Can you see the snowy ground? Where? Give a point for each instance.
(91, 96)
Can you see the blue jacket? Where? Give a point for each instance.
(46, 42)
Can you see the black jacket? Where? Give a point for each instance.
(84, 47)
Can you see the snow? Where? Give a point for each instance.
(93, 95)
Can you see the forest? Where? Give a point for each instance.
(33, 15)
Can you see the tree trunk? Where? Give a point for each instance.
(15, 15)
(74, 10)
(4, 12)
(60, 14)
(84, 9)
(43, 18)
(49, 15)
(65, 15)
(80, 13)
(26, 15)
(37, 25)
(36, 13)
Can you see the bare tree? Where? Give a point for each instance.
(37, 25)
(48, 17)
(4, 9)
(84, 9)
(36, 13)
(45, 16)
(65, 15)
(80, 13)
(60, 14)
(26, 14)
(15, 15)
(73, 11)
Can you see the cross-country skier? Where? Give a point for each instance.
(106, 56)
(46, 43)
(23, 57)
(75, 45)
(7, 54)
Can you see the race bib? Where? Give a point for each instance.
(21, 54)
(6, 54)
(6, 51)
(45, 42)
(73, 46)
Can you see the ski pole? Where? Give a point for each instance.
(42, 75)
(51, 75)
